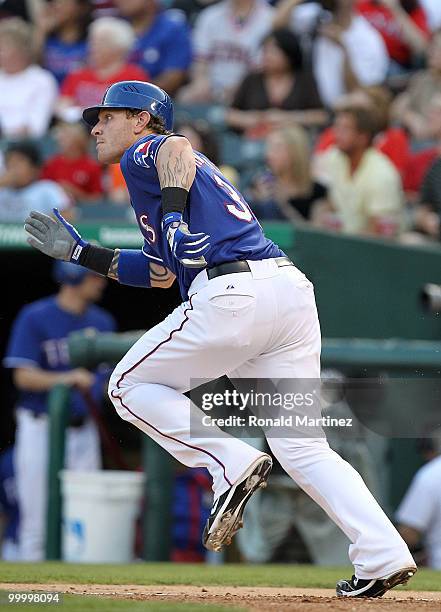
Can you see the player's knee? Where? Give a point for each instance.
(117, 391)
(112, 383)
(113, 391)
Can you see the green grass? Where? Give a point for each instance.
(195, 574)
(78, 603)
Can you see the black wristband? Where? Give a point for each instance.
(173, 199)
(96, 258)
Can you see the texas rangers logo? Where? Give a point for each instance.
(141, 153)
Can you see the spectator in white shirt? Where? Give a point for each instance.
(226, 41)
(28, 91)
(346, 50)
(419, 514)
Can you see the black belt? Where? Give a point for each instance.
(233, 267)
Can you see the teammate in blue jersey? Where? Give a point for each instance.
(37, 353)
(248, 312)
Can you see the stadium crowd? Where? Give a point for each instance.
(323, 112)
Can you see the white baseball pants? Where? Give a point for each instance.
(258, 324)
(31, 466)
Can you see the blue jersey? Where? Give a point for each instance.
(214, 206)
(166, 45)
(8, 494)
(62, 58)
(39, 338)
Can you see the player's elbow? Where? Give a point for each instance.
(160, 276)
(112, 389)
(166, 284)
(21, 378)
(169, 282)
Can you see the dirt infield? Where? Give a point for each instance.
(250, 598)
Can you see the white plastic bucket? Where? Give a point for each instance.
(99, 513)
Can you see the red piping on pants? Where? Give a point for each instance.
(149, 424)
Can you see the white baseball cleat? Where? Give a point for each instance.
(226, 514)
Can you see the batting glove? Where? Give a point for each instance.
(188, 248)
(54, 237)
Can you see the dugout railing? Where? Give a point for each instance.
(365, 288)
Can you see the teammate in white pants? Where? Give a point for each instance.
(247, 311)
(38, 354)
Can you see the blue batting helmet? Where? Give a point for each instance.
(137, 95)
(67, 273)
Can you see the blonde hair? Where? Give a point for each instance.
(120, 33)
(381, 100)
(297, 142)
(19, 33)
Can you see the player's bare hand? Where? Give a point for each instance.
(80, 378)
(188, 248)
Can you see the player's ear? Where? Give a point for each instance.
(142, 121)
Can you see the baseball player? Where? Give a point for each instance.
(37, 352)
(247, 312)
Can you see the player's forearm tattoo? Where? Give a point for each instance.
(113, 270)
(177, 170)
(160, 276)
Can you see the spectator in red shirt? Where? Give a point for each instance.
(393, 141)
(403, 26)
(416, 169)
(72, 167)
(110, 41)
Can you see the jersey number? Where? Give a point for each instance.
(240, 208)
(57, 352)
